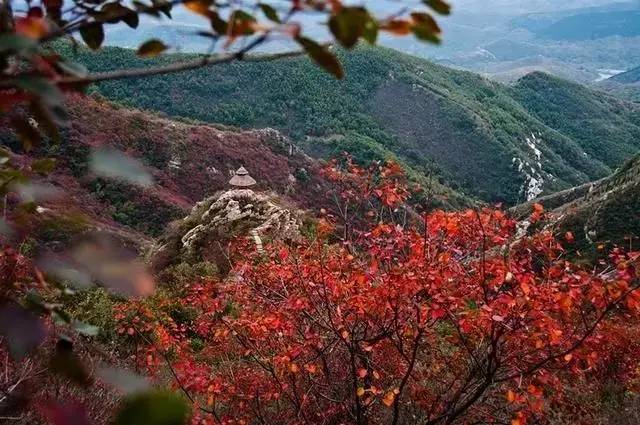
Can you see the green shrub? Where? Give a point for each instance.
(181, 274)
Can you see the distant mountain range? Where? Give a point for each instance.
(449, 128)
(625, 85)
(631, 76)
(581, 40)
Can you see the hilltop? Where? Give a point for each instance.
(490, 141)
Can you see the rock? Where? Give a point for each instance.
(214, 222)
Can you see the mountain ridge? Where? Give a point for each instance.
(188, 161)
(598, 214)
(510, 153)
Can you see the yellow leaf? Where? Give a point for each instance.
(360, 392)
(388, 399)
(201, 7)
(151, 48)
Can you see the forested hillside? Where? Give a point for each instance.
(187, 161)
(491, 141)
(599, 215)
(625, 85)
(629, 77)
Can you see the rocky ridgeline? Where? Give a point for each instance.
(603, 212)
(213, 222)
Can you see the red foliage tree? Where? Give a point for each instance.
(455, 320)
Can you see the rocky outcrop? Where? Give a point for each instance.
(604, 212)
(204, 235)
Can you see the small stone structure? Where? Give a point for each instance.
(241, 178)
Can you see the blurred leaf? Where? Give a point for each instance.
(153, 408)
(44, 117)
(40, 87)
(85, 328)
(35, 303)
(60, 316)
(53, 8)
(269, 12)
(27, 134)
(23, 330)
(72, 68)
(36, 192)
(116, 268)
(201, 7)
(151, 48)
(164, 6)
(67, 364)
(370, 32)
(439, 6)
(425, 27)
(33, 25)
(131, 19)
(65, 272)
(348, 25)
(44, 166)
(93, 35)
(17, 43)
(111, 163)
(397, 27)
(322, 56)
(111, 12)
(218, 24)
(5, 228)
(242, 23)
(123, 380)
(114, 12)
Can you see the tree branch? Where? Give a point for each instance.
(176, 67)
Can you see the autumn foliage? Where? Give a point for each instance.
(455, 317)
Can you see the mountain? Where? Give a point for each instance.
(621, 20)
(600, 213)
(488, 140)
(188, 161)
(631, 76)
(582, 41)
(625, 85)
(595, 25)
(605, 127)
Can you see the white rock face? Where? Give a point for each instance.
(243, 211)
(239, 213)
(532, 173)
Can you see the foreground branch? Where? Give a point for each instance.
(177, 67)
